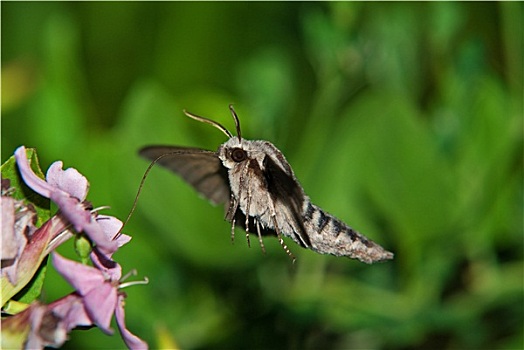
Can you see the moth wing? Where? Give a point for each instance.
(200, 168)
(288, 194)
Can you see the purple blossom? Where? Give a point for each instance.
(68, 189)
(98, 292)
(47, 329)
(42, 325)
(17, 225)
(99, 288)
(18, 222)
(72, 311)
(18, 271)
(97, 297)
(34, 328)
(26, 246)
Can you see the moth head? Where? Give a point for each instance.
(231, 152)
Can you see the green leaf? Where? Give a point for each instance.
(33, 289)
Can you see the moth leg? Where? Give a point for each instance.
(241, 185)
(230, 215)
(277, 230)
(260, 237)
(282, 243)
(232, 208)
(233, 230)
(248, 203)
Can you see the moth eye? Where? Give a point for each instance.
(238, 155)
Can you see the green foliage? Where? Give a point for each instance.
(403, 119)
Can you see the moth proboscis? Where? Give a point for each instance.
(262, 195)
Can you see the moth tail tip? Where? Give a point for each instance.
(383, 257)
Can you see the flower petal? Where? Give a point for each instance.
(72, 209)
(132, 341)
(10, 242)
(50, 329)
(15, 329)
(69, 180)
(70, 202)
(98, 293)
(82, 277)
(95, 232)
(82, 220)
(100, 304)
(111, 268)
(34, 182)
(28, 261)
(17, 226)
(17, 230)
(72, 311)
(111, 225)
(46, 328)
(36, 313)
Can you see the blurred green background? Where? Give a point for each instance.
(402, 119)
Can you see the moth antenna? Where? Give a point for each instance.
(237, 122)
(140, 190)
(209, 121)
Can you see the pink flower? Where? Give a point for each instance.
(98, 292)
(20, 266)
(18, 225)
(99, 287)
(68, 189)
(34, 328)
(71, 310)
(25, 247)
(42, 325)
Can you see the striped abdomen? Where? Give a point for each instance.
(329, 235)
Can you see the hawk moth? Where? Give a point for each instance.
(262, 195)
